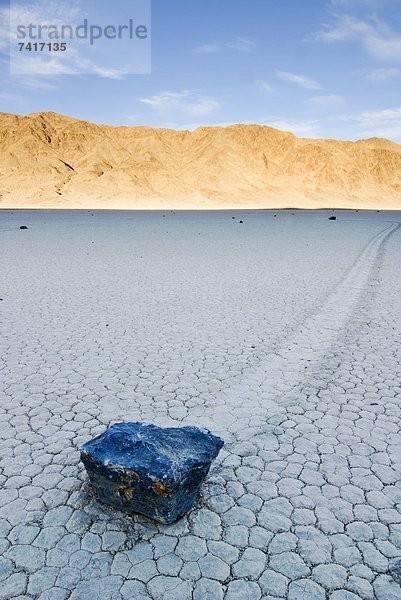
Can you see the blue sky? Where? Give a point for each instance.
(319, 68)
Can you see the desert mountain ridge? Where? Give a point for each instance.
(49, 160)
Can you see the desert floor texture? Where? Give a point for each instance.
(279, 331)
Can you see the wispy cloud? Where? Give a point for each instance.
(299, 80)
(353, 3)
(376, 37)
(307, 127)
(346, 28)
(378, 75)
(240, 43)
(88, 66)
(76, 61)
(4, 29)
(51, 67)
(388, 114)
(188, 102)
(380, 123)
(208, 48)
(47, 12)
(7, 97)
(37, 83)
(36, 65)
(327, 102)
(264, 86)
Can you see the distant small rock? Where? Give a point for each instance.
(332, 218)
(241, 221)
(23, 227)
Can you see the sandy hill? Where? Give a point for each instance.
(51, 161)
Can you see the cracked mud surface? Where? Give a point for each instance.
(280, 334)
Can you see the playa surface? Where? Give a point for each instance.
(281, 333)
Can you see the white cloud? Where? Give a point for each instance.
(45, 68)
(241, 44)
(384, 48)
(381, 123)
(346, 28)
(264, 86)
(108, 73)
(305, 128)
(376, 37)
(383, 74)
(188, 102)
(36, 83)
(380, 116)
(328, 102)
(300, 80)
(35, 66)
(88, 66)
(209, 48)
(353, 3)
(7, 97)
(4, 30)
(47, 12)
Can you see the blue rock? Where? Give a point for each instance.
(141, 468)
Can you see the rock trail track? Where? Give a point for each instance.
(284, 370)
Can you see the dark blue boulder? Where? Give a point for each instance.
(141, 468)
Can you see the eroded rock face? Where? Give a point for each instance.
(142, 468)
